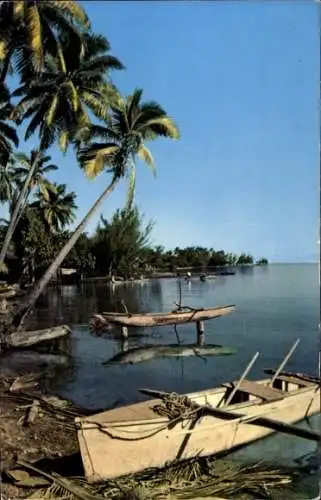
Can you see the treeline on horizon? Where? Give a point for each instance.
(119, 246)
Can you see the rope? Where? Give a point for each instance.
(175, 407)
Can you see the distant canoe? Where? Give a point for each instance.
(162, 319)
(208, 277)
(227, 273)
(148, 352)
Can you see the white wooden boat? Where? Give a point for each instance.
(132, 438)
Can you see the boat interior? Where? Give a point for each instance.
(258, 392)
(249, 393)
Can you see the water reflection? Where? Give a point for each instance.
(77, 303)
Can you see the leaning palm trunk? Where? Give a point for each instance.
(54, 266)
(17, 212)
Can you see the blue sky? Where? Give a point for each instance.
(241, 81)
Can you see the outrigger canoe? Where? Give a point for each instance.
(160, 319)
(135, 437)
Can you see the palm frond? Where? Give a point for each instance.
(145, 155)
(34, 25)
(73, 10)
(162, 126)
(94, 158)
(52, 110)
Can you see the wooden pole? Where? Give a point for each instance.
(285, 360)
(240, 380)
(200, 333)
(124, 332)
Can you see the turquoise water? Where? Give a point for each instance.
(275, 305)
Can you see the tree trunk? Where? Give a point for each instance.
(17, 212)
(5, 66)
(54, 266)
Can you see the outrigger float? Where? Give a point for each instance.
(152, 433)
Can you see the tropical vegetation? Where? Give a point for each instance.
(56, 87)
(64, 96)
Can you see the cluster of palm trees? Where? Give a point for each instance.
(65, 97)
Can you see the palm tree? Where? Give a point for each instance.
(73, 84)
(8, 134)
(21, 165)
(59, 100)
(39, 178)
(8, 183)
(29, 29)
(131, 124)
(55, 206)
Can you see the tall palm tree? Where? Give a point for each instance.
(55, 206)
(60, 99)
(132, 123)
(8, 134)
(29, 29)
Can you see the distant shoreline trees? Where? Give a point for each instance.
(120, 245)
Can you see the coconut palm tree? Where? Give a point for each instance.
(8, 183)
(73, 84)
(132, 124)
(29, 29)
(60, 99)
(55, 206)
(8, 134)
(21, 165)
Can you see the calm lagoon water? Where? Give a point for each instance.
(275, 305)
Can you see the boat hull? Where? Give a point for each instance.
(160, 319)
(131, 443)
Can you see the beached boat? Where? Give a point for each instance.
(160, 319)
(135, 437)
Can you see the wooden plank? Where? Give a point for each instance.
(299, 376)
(29, 338)
(295, 380)
(259, 390)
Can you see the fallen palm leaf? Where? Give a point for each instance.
(196, 478)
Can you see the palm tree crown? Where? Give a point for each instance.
(29, 30)
(72, 85)
(56, 206)
(131, 125)
(39, 178)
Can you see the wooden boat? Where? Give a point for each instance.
(160, 319)
(132, 438)
(205, 277)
